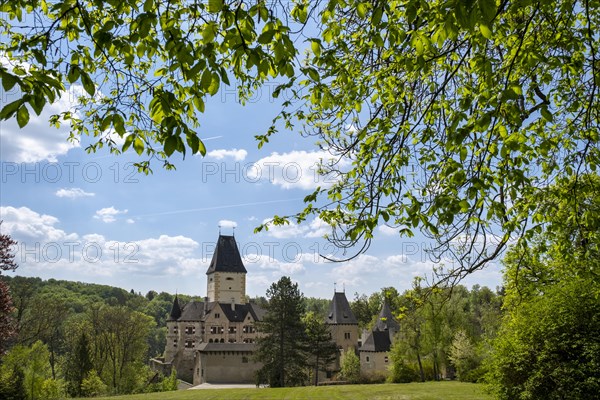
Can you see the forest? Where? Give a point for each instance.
(84, 340)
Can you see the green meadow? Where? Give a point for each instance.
(408, 391)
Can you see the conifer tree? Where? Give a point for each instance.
(281, 348)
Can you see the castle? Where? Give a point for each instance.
(213, 341)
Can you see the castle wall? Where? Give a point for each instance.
(374, 362)
(225, 367)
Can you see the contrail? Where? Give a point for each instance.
(258, 203)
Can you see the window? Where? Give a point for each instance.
(231, 340)
(248, 329)
(245, 360)
(189, 344)
(175, 329)
(216, 330)
(229, 279)
(175, 343)
(367, 358)
(232, 329)
(385, 359)
(248, 340)
(347, 335)
(217, 315)
(190, 330)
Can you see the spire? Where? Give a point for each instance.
(340, 311)
(226, 257)
(385, 320)
(175, 310)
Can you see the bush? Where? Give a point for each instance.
(92, 386)
(53, 389)
(549, 348)
(373, 377)
(402, 372)
(350, 367)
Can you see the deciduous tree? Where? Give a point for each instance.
(443, 117)
(7, 263)
(548, 345)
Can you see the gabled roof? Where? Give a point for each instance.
(339, 311)
(197, 311)
(239, 312)
(192, 311)
(378, 341)
(226, 257)
(385, 320)
(175, 310)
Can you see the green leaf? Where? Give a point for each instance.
(547, 114)
(485, 31)
(8, 81)
(9, 109)
(206, 80)
(316, 47)
(214, 84)
(138, 145)
(88, 84)
(22, 116)
(362, 9)
(215, 6)
(128, 142)
(118, 124)
(170, 145)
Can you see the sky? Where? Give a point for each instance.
(94, 218)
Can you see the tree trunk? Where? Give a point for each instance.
(317, 371)
(420, 367)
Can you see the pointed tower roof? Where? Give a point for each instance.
(226, 257)
(377, 341)
(339, 311)
(385, 320)
(175, 310)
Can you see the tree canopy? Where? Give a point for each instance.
(442, 116)
(548, 345)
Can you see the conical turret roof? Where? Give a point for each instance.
(340, 311)
(385, 320)
(175, 310)
(226, 257)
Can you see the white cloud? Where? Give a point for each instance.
(25, 224)
(286, 231)
(43, 248)
(296, 169)
(73, 193)
(108, 214)
(236, 154)
(38, 141)
(225, 223)
(318, 228)
(387, 230)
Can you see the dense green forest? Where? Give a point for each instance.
(82, 339)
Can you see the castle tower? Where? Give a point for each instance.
(386, 321)
(173, 331)
(226, 275)
(342, 322)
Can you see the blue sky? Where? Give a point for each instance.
(93, 218)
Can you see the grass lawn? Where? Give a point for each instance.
(409, 391)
